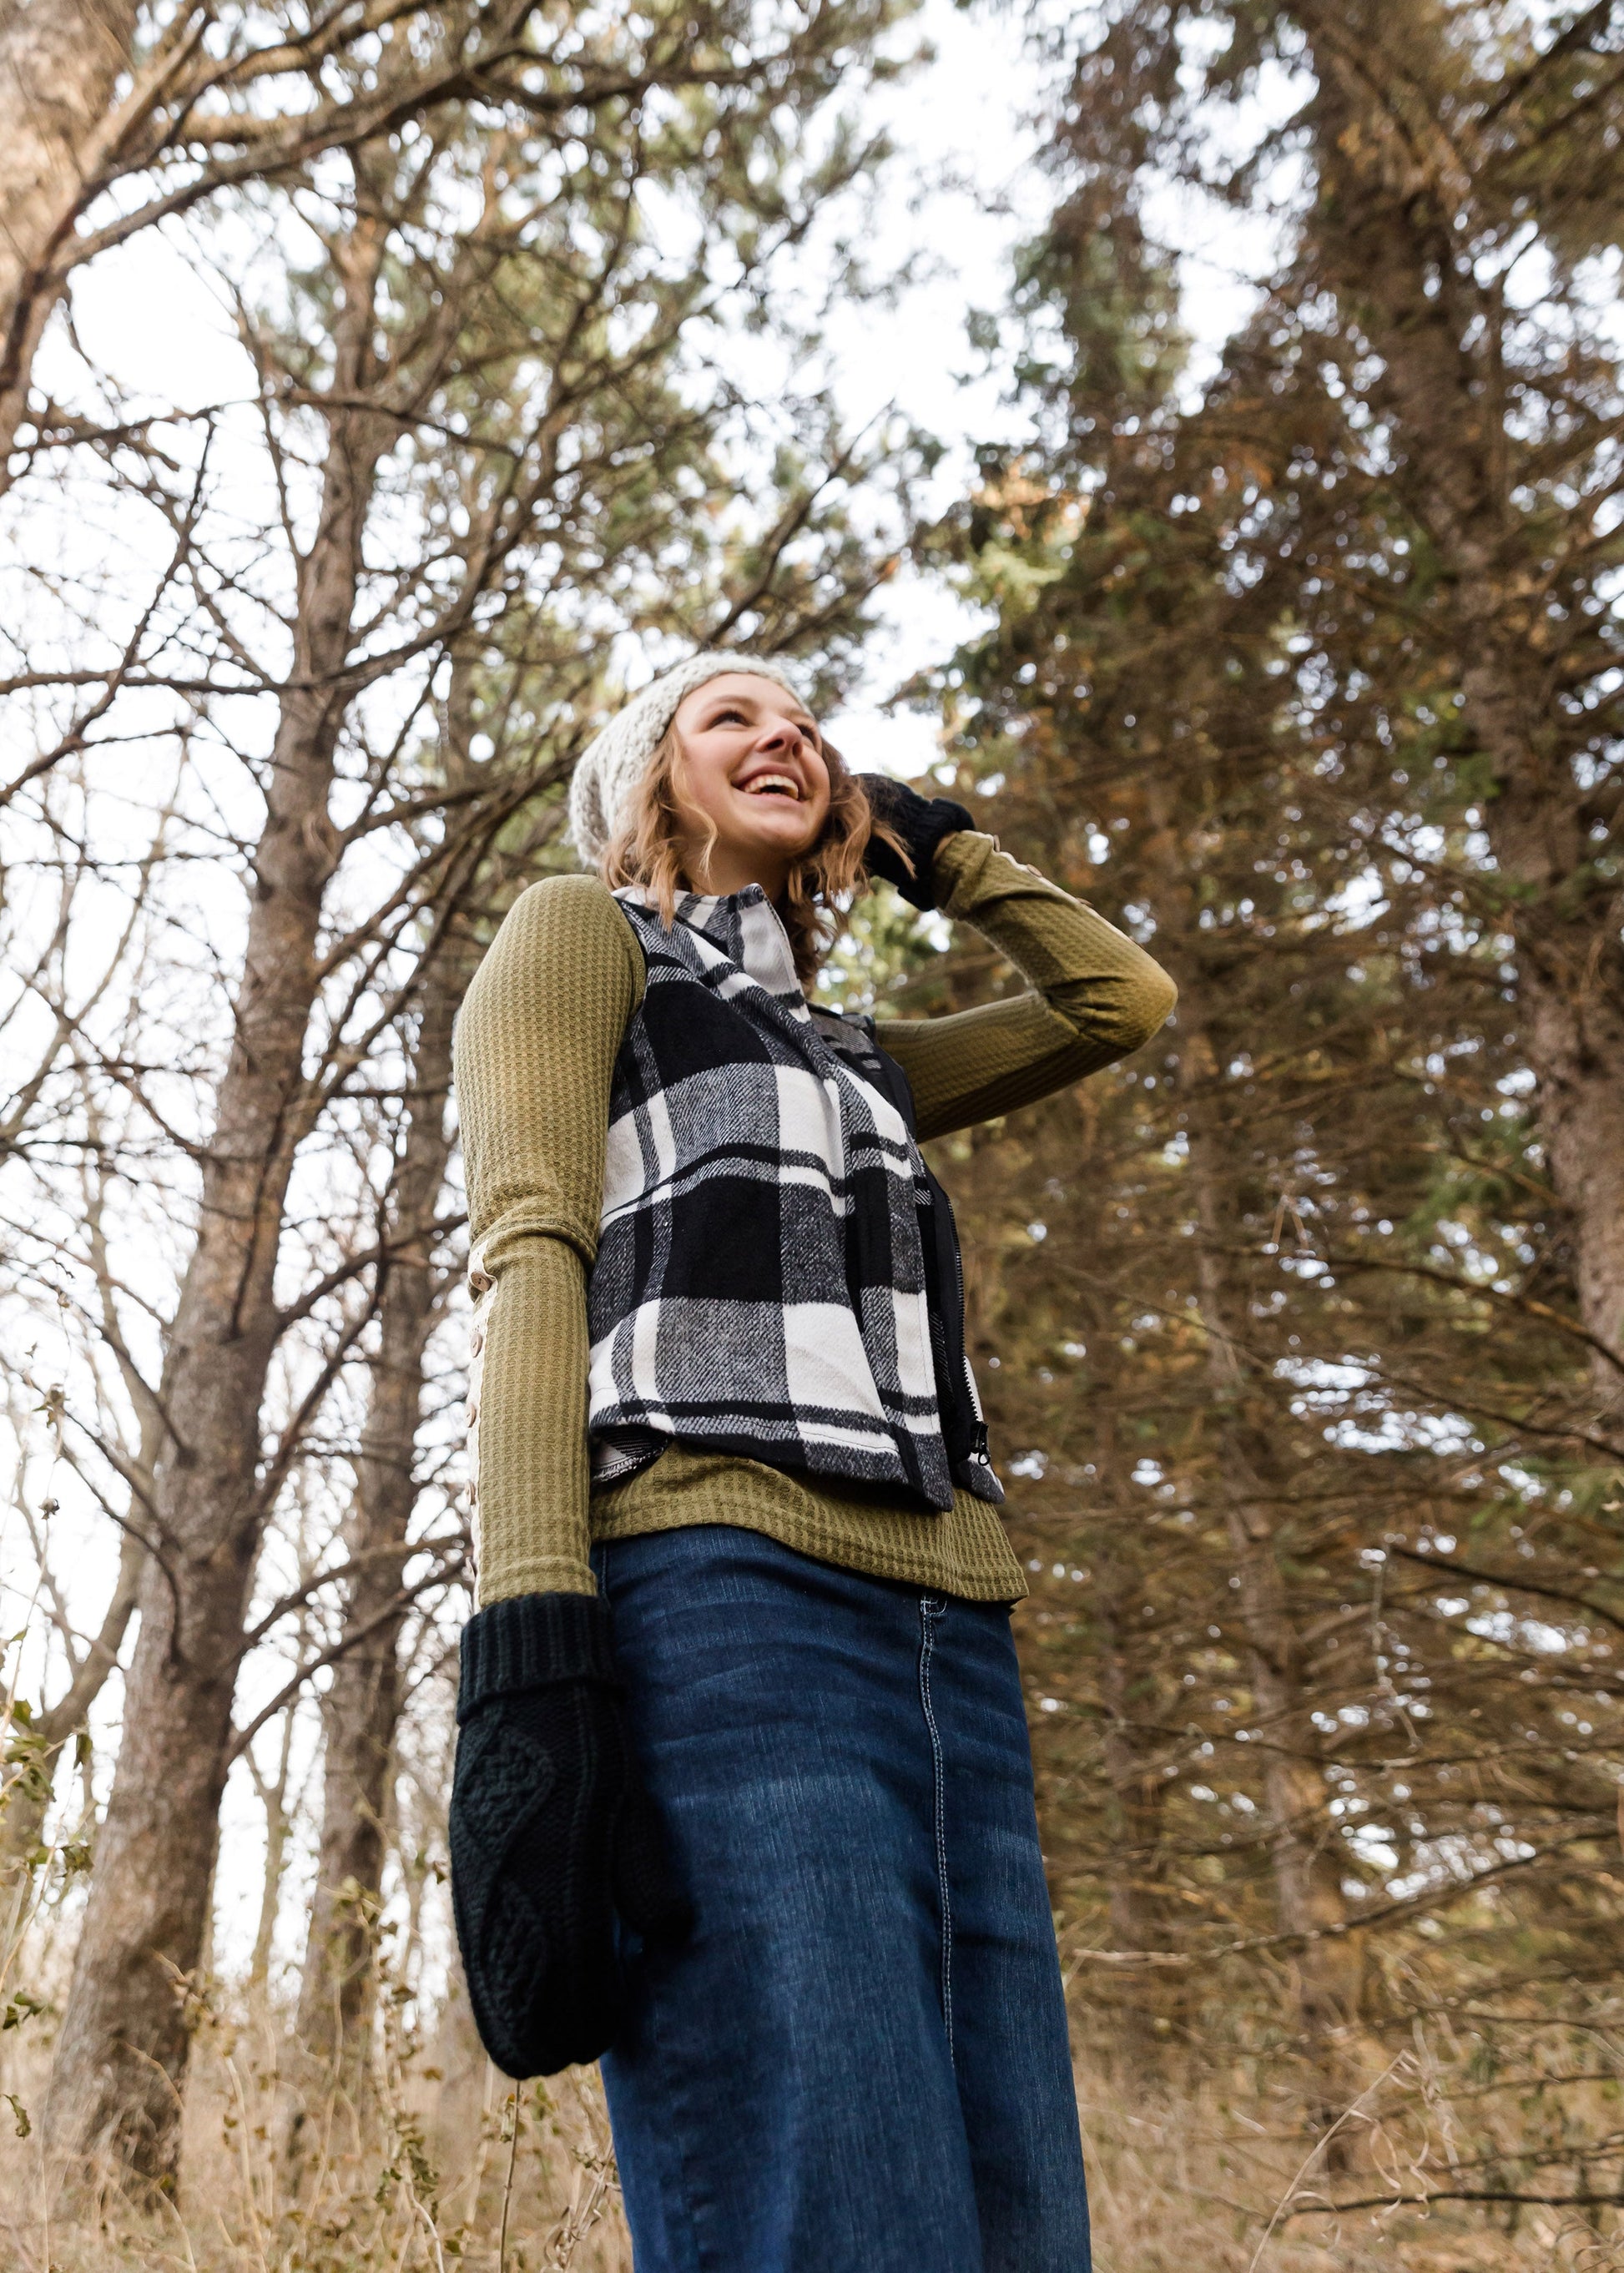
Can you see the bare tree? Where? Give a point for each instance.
(478, 433)
(362, 1706)
(59, 64)
(123, 2037)
(179, 104)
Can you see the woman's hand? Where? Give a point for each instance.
(551, 1834)
(919, 823)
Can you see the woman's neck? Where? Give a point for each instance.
(728, 871)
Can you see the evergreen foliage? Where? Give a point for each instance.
(1286, 1321)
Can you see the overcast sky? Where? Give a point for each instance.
(962, 192)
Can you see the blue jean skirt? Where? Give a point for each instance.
(858, 2062)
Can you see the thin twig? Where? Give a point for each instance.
(1354, 2108)
(512, 2156)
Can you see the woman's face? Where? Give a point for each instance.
(754, 770)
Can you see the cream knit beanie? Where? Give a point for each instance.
(611, 766)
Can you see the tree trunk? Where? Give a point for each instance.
(1137, 1912)
(1382, 233)
(1309, 1905)
(60, 61)
(122, 2053)
(272, 1792)
(1328, 1965)
(363, 1704)
(1137, 1915)
(1138, 1918)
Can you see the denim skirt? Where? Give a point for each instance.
(858, 2062)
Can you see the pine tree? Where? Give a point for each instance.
(1281, 1320)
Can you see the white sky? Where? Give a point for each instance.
(962, 192)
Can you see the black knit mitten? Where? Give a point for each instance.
(550, 1833)
(920, 822)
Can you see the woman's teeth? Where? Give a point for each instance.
(779, 785)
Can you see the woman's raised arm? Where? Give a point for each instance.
(1094, 996)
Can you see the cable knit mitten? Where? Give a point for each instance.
(921, 823)
(551, 1834)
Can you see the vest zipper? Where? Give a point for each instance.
(978, 1426)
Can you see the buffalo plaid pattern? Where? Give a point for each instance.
(760, 1284)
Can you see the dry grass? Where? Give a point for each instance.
(281, 2177)
(284, 2172)
(1197, 2182)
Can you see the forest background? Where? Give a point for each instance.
(1260, 582)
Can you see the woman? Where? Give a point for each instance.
(743, 1797)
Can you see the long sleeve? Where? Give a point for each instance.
(535, 1051)
(1093, 995)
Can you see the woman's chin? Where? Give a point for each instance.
(784, 836)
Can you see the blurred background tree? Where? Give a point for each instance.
(1306, 1323)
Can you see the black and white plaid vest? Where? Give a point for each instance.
(777, 1274)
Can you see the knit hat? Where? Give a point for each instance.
(614, 763)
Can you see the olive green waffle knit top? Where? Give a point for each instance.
(536, 1048)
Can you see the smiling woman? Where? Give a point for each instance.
(742, 789)
(743, 1795)
(754, 769)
